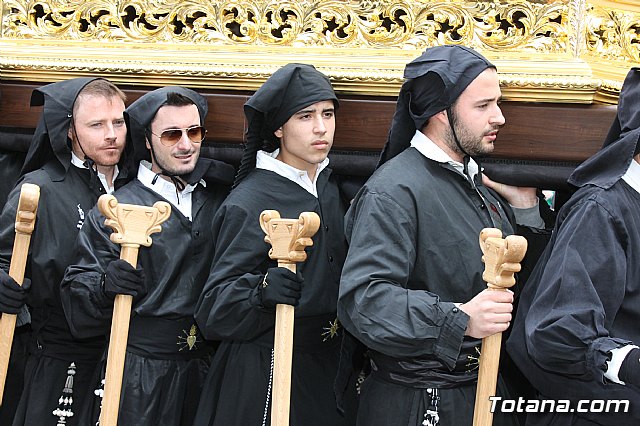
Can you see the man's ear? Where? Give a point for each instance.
(278, 133)
(442, 116)
(70, 133)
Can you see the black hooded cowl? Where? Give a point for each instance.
(50, 144)
(287, 91)
(139, 116)
(432, 84)
(608, 165)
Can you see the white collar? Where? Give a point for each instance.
(632, 176)
(181, 200)
(268, 161)
(429, 149)
(161, 186)
(108, 186)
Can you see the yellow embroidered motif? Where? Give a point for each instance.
(473, 362)
(331, 331)
(189, 339)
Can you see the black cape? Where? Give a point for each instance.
(163, 374)
(61, 212)
(413, 251)
(583, 298)
(67, 193)
(236, 389)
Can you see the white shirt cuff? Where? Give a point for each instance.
(613, 367)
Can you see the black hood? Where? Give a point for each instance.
(139, 116)
(432, 84)
(50, 143)
(608, 165)
(288, 90)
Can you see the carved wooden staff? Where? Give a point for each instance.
(25, 222)
(501, 258)
(288, 238)
(132, 225)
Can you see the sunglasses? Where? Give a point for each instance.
(171, 137)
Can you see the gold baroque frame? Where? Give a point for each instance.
(545, 50)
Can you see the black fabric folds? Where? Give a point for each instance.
(608, 165)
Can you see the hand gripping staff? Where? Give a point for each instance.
(132, 226)
(25, 222)
(501, 259)
(288, 238)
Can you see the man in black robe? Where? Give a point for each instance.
(291, 124)
(411, 287)
(577, 329)
(73, 159)
(166, 358)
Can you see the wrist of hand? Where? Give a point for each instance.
(630, 369)
(104, 291)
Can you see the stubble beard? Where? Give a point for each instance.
(173, 170)
(472, 144)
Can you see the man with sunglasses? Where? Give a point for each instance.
(73, 158)
(166, 355)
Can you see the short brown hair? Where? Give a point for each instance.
(100, 87)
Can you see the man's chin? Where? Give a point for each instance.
(182, 171)
(485, 151)
(109, 163)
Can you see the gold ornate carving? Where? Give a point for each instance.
(545, 50)
(396, 24)
(613, 34)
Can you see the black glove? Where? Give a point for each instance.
(122, 278)
(280, 286)
(630, 368)
(12, 295)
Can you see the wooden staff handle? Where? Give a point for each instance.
(501, 258)
(282, 359)
(132, 225)
(25, 223)
(288, 239)
(117, 347)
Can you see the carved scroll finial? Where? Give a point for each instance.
(132, 224)
(289, 237)
(501, 257)
(25, 222)
(27, 206)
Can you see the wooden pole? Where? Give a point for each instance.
(288, 239)
(25, 223)
(132, 225)
(502, 259)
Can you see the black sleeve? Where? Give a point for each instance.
(228, 307)
(87, 308)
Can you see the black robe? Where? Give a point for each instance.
(65, 199)
(238, 381)
(163, 374)
(583, 298)
(582, 301)
(413, 234)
